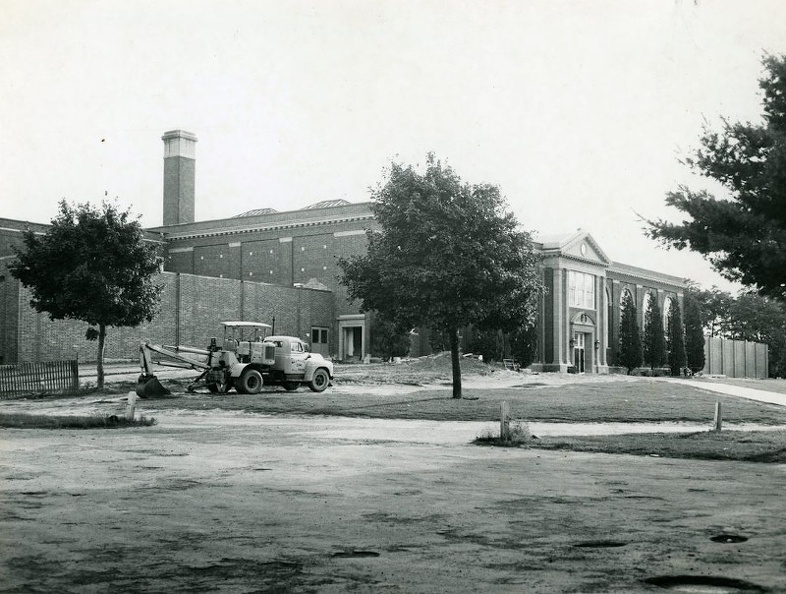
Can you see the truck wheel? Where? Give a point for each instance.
(250, 382)
(291, 386)
(320, 380)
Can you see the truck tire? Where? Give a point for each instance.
(320, 380)
(250, 382)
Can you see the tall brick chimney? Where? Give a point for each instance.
(179, 176)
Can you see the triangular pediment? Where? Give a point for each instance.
(579, 245)
(584, 247)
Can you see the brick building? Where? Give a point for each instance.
(263, 264)
(579, 315)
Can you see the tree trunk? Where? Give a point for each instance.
(100, 359)
(456, 363)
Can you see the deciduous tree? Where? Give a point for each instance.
(759, 319)
(447, 254)
(91, 265)
(743, 234)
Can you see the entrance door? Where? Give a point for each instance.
(353, 342)
(579, 352)
(319, 341)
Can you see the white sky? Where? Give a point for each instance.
(578, 110)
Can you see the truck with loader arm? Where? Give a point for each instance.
(246, 361)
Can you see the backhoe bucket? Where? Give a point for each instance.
(149, 387)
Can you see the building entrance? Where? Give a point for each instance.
(352, 337)
(579, 353)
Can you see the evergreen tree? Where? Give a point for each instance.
(743, 235)
(694, 335)
(677, 358)
(654, 347)
(630, 355)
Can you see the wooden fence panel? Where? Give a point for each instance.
(53, 377)
(735, 358)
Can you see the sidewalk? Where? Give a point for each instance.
(749, 393)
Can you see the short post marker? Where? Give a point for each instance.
(131, 408)
(718, 417)
(504, 424)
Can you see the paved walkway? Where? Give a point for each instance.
(749, 393)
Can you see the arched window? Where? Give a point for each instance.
(626, 294)
(645, 307)
(668, 303)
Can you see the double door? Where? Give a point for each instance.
(579, 352)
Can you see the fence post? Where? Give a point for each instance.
(504, 425)
(718, 417)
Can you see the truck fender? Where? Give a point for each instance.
(311, 366)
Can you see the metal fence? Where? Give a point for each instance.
(54, 377)
(736, 358)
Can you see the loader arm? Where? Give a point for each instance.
(173, 353)
(148, 385)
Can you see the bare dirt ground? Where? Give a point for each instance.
(218, 501)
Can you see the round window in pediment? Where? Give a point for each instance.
(583, 249)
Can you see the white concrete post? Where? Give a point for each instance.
(131, 408)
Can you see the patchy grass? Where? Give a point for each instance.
(518, 435)
(743, 446)
(622, 402)
(27, 421)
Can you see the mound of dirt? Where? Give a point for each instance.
(432, 369)
(441, 362)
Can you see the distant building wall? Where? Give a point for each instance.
(736, 358)
(192, 309)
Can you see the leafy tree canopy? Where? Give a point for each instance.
(91, 265)
(743, 236)
(447, 254)
(748, 316)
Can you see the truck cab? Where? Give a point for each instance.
(295, 364)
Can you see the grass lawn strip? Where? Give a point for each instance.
(610, 402)
(741, 446)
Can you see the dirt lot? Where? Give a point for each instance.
(227, 501)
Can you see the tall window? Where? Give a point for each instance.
(623, 297)
(645, 306)
(668, 303)
(581, 290)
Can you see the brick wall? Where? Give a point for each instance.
(192, 309)
(307, 245)
(9, 315)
